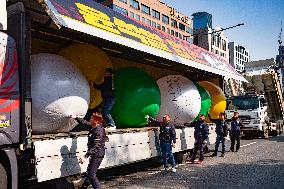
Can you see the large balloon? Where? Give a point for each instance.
(205, 100)
(58, 90)
(179, 98)
(218, 98)
(137, 95)
(92, 62)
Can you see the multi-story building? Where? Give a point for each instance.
(239, 55)
(208, 38)
(156, 14)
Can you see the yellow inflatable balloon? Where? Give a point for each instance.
(92, 62)
(218, 98)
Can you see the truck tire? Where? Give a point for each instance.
(3, 178)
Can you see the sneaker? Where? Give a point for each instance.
(189, 161)
(237, 150)
(173, 170)
(213, 155)
(166, 168)
(222, 155)
(200, 162)
(111, 128)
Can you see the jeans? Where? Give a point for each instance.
(234, 138)
(108, 104)
(220, 139)
(166, 149)
(91, 177)
(198, 145)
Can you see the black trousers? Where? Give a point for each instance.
(235, 138)
(198, 146)
(91, 177)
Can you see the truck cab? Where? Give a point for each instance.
(252, 109)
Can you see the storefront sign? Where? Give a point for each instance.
(180, 17)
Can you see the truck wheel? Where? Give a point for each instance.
(3, 178)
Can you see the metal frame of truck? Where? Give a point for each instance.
(25, 156)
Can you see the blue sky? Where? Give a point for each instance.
(261, 17)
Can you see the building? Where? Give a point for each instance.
(217, 42)
(156, 14)
(238, 56)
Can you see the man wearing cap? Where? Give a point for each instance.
(167, 140)
(221, 131)
(201, 133)
(107, 93)
(235, 134)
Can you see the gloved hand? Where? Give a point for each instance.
(204, 142)
(87, 155)
(147, 116)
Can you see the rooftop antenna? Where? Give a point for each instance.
(280, 35)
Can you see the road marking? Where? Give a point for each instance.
(248, 144)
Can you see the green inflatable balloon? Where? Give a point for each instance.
(137, 95)
(205, 100)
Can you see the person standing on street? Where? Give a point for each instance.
(201, 133)
(221, 131)
(235, 134)
(96, 149)
(167, 140)
(107, 93)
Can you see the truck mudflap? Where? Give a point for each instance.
(57, 158)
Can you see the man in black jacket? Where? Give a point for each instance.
(235, 133)
(96, 148)
(201, 133)
(221, 131)
(107, 93)
(167, 140)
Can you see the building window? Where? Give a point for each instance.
(124, 1)
(145, 9)
(159, 26)
(176, 34)
(181, 26)
(143, 20)
(172, 32)
(156, 14)
(169, 31)
(154, 24)
(163, 28)
(137, 17)
(131, 14)
(188, 29)
(174, 23)
(180, 36)
(119, 9)
(134, 4)
(165, 19)
(148, 22)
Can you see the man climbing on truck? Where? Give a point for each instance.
(167, 140)
(107, 93)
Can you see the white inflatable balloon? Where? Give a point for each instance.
(58, 90)
(179, 98)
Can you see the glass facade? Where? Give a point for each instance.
(119, 9)
(134, 4)
(202, 20)
(145, 9)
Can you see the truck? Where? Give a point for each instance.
(29, 27)
(261, 108)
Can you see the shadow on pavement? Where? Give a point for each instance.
(261, 174)
(277, 138)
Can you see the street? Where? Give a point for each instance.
(258, 164)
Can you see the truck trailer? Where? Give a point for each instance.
(46, 26)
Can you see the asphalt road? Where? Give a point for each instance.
(258, 164)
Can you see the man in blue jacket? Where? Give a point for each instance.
(235, 134)
(107, 93)
(201, 133)
(221, 131)
(167, 140)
